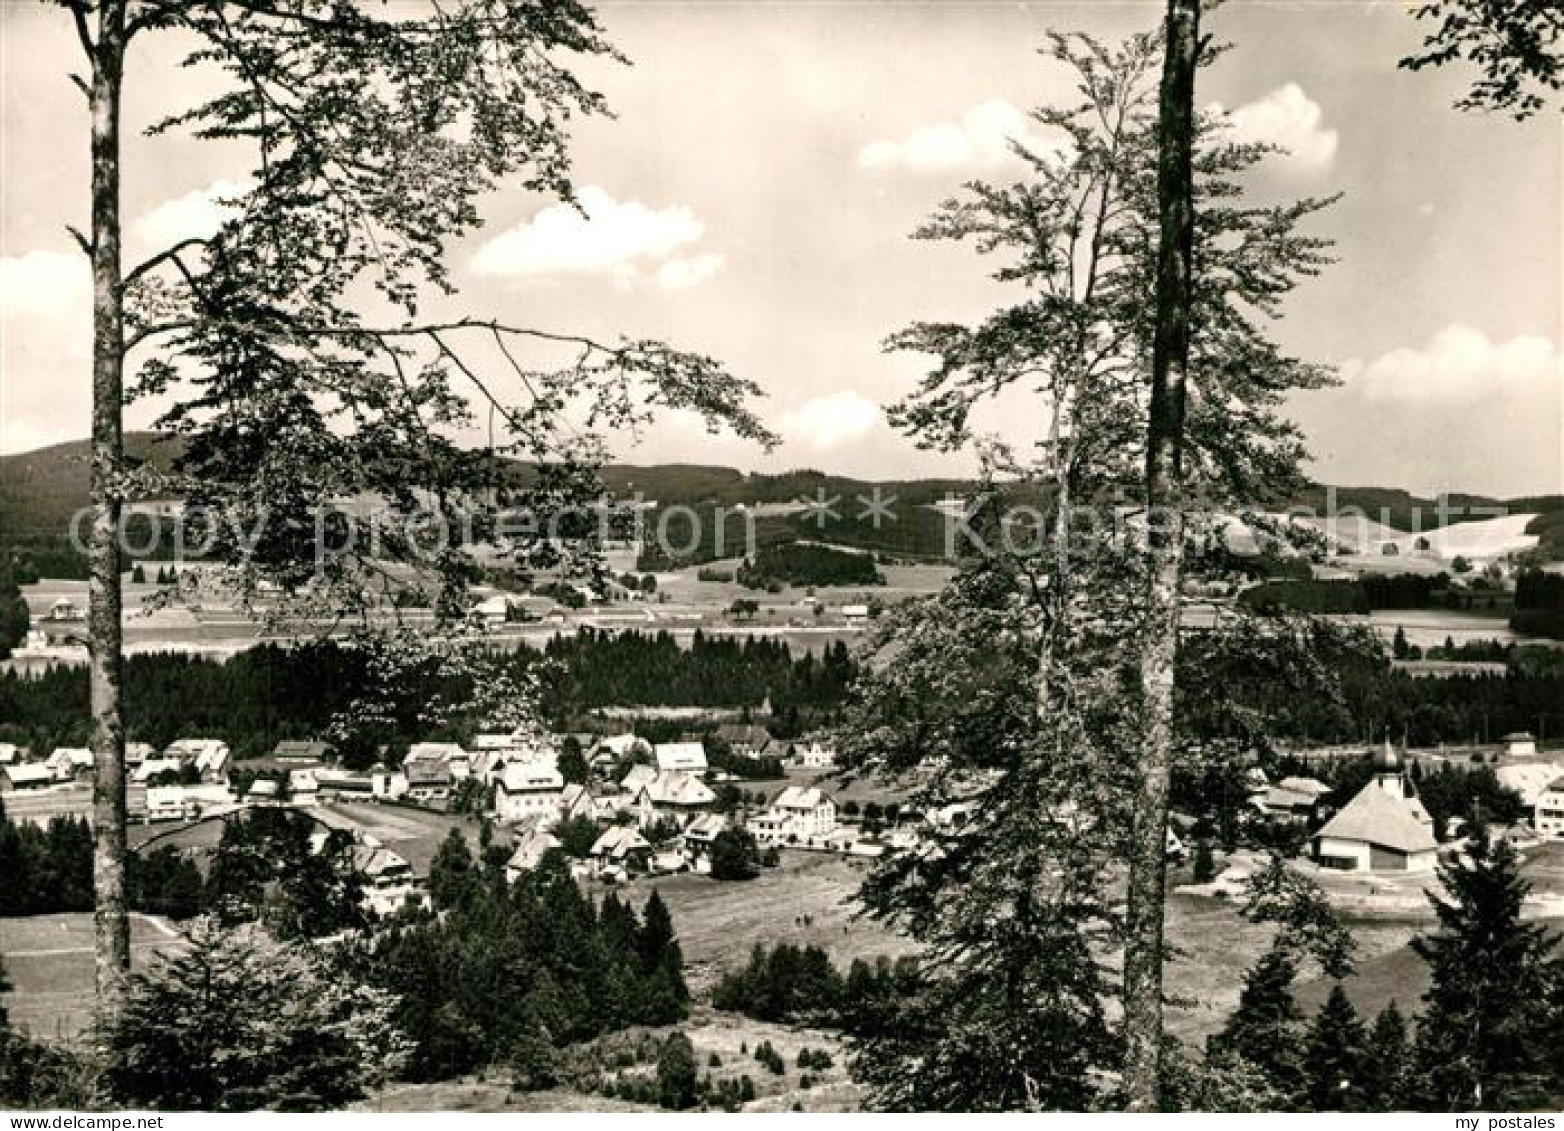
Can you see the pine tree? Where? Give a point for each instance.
(1263, 1030)
(1487, 1032)
(1205, 861)
(453, 874)
(1334, 1057)
(1385, 1062)
(236, 1021)
(676, 1073)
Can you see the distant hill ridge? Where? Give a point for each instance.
(40, 490)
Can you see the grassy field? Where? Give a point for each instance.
(730, 1039)
(809, 899)
(49, 961)
(414, 834)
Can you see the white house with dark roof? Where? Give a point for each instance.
(1385, 828)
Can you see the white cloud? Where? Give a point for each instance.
(1289, 118)
(195, 215)
(1459, 365)
(677, 274)
(832, 420)
(616, 238)
(44, 283)
(45, 343)
(980, 140)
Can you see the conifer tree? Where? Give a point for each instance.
(1334, 1057)
(1385, 1061)
(1487, 1038)
(1264, 1029)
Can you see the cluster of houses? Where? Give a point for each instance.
(636, 791)
(1385, 828)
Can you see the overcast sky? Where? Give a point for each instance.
(754, 197)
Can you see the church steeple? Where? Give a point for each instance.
(1388, 770)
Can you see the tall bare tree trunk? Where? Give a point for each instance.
(111, 924)
(1164, 478)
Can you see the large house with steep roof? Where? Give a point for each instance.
(1385, 828)
(528, 789)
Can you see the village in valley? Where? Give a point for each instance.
(515, 597)
(749, 824)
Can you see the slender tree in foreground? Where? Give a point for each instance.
(1020, 681)
(291, 341)
(1164, 489)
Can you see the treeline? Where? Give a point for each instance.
(1370, 592)
(14, 617)
(265, 868)
(268, 693)
(791, 983)
(508, 973)
(46, 870)
(806, 564)
(638, 669)
(1539, 605)
(1375, 699)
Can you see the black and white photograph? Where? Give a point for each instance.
(748, 556)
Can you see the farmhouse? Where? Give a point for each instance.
(621, 847)
(686, 756)
(152, 767)
(69, 762)
(1291, 799)
(814, 756)
(25, 775)
(530, 850)
(298, 750)
(208, 755)
(1530, 780)
(668, 793)
(746, 740)
(389, 883)
(1383, 829)
(1549, 815)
